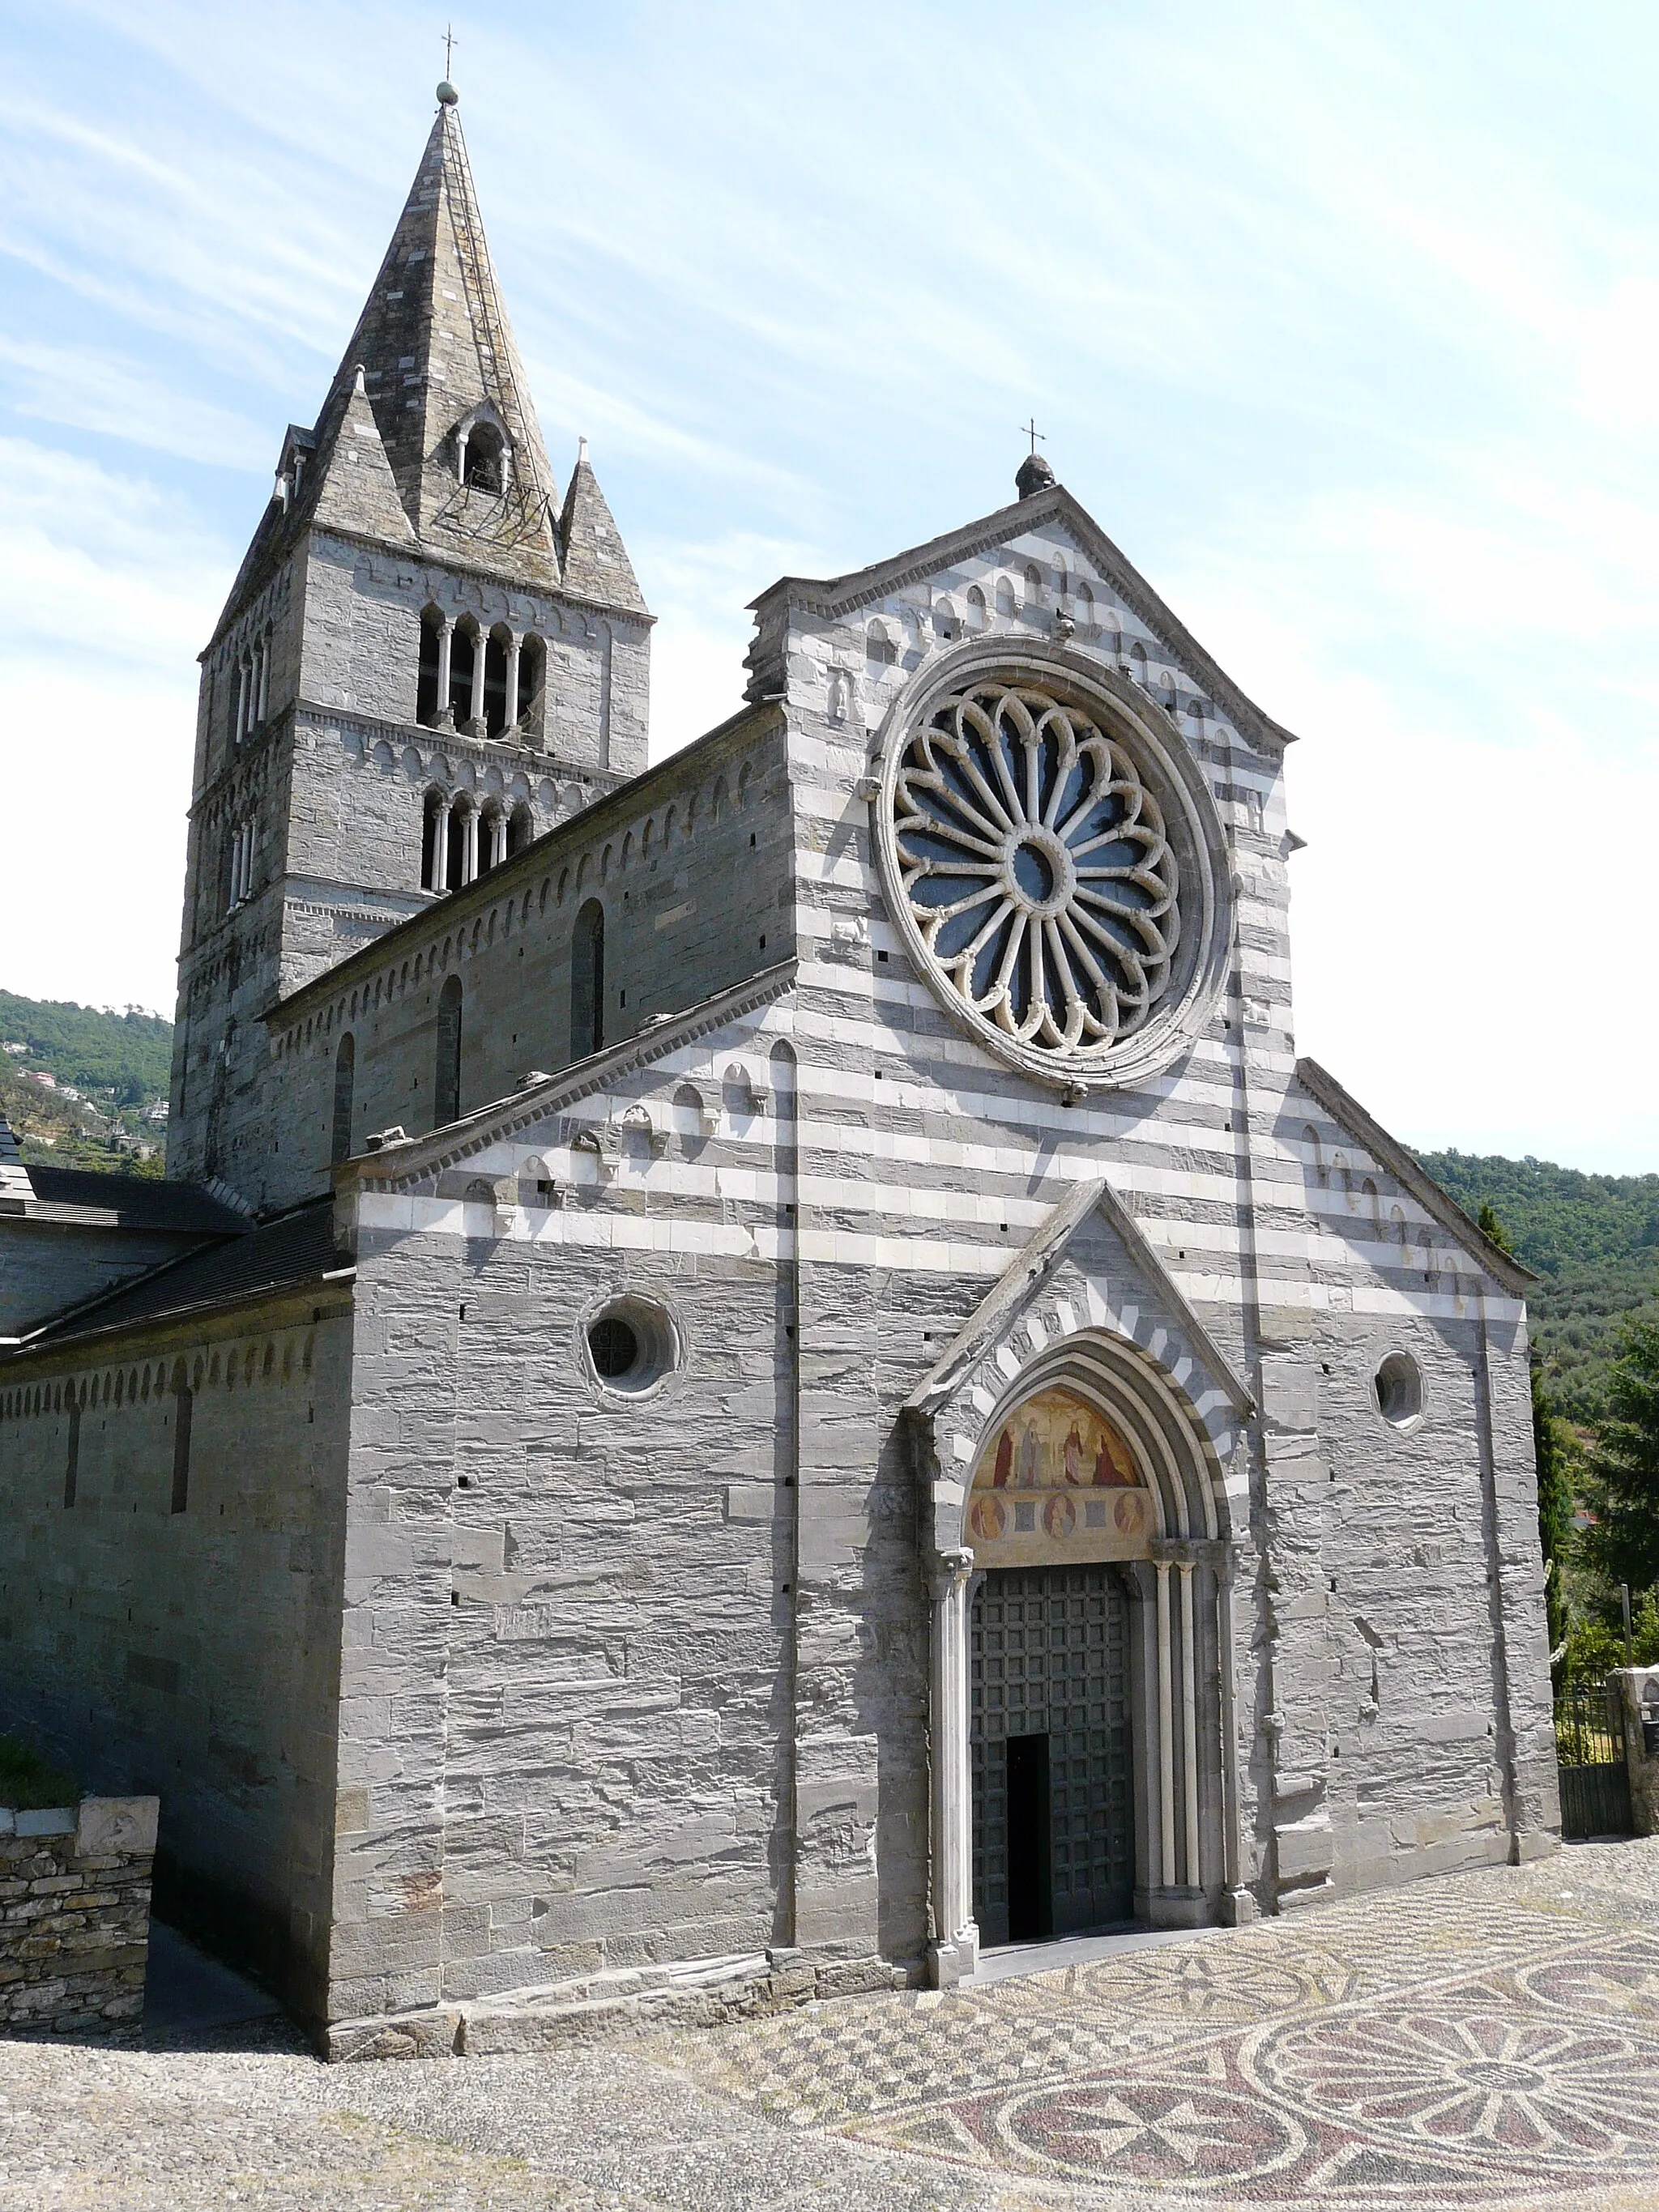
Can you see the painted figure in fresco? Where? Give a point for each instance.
(1130, 1513)
(1059, 1515)
(1005, 1467)
(1031, 1458)
(1073, 1457)
(989, 1519)
(1110, 1472)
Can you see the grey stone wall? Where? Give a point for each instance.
(578, 1603)
(693, 867)
(195, 1653)
(74, 1918)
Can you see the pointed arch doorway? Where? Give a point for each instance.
(1084, 1748)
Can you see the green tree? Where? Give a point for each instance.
(1624, 1464)
(1556, 1450)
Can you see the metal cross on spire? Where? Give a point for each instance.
(1034, 435)
(449, 55)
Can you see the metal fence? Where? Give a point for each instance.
(1589, 1753)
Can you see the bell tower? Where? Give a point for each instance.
(426, 660)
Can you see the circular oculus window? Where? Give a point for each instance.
(1050, 868)
(631, 1344)
(1398, 1383)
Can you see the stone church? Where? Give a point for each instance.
(758, 1374)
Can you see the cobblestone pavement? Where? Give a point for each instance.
(1485, 2040)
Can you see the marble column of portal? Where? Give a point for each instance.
(514, 647)
(446, 712)
(953, 1953)
(475, 717)
(1166, 1843)
(441, 846)
(1189, 1725)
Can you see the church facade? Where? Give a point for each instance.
(778, 1373)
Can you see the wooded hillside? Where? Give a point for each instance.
(1594, 1242)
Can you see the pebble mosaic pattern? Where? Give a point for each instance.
(1484, 2040)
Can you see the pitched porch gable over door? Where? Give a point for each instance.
(1089, 1276)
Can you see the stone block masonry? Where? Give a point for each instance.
(74, 1918)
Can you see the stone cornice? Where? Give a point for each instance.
(1388, 1152)
(394, 1167)
(836, 596)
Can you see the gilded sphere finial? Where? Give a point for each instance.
(447, 96)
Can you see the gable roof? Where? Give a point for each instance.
(297, 1247)
(1388, 1152)
(1031, 1267)
(91, 1198)
(836, 596)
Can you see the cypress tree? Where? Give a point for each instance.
(1555, 1450)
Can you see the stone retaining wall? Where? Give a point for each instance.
(74, 1918)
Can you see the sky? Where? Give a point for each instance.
(1342, 320)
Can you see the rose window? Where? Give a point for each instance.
(1033, 860)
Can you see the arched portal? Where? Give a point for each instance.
(1082, 1763)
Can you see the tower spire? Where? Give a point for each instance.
(440, 363)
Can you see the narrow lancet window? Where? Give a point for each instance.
(446, 1090)
(346, 1073)
(587, 981)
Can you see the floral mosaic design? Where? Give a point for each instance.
(1485, 2040)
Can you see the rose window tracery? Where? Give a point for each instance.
(1035, 863)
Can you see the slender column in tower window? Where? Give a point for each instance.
(476, 710)
(182, 1403)
(264, 679)
(235, 867)
(470, 847)
(497, 839)
(240, 725)
(446, 1088)
(514, 650)
(444, 717)
(441, 846)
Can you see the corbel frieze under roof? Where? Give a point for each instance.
(401, 1162)
(1388, 1152)
(835, 597)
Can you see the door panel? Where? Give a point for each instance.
(1048, 1660)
